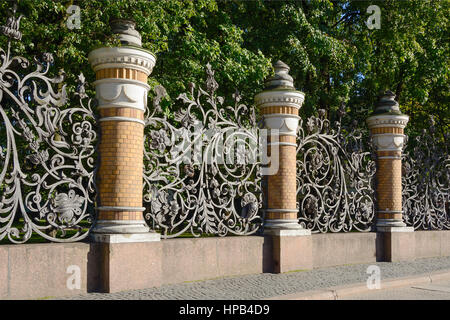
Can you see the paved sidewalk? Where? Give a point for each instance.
(266, 286)
(439, 290)
(387, 289)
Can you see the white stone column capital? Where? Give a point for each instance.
(286, 123)
(388, 141)
(122, 57)
(277, 97)
(118, 93)
(387, 120)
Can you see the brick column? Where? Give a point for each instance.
(121, 91)
(279, 104)
(386, 126)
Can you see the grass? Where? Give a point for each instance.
(298, 270)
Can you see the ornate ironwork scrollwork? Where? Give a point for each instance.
(426, 182)
(46, 152)
(201, 172)
(335, 176)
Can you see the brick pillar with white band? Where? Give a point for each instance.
(279, 104)
(121, 92)
(386, 126)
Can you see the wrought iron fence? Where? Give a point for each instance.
(335, 176)
(46, 150)
(201, 169)
(202, 172)
(426, 182)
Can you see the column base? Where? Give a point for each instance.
(395, 229)
(283, 227)
(392, 225)
(125, 238)
(287, 232)
(120, 226)
(123, 231)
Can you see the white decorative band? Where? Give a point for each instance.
(281, 210)
(122, 92)
(389, 157)
(122, 57)
(380, 121)
(113, 105)
(397, 149)
(287, 98)
(285, 133)
(116, 208)
(145, 70)
(282, 144)
(387, 135)
(287, 124)
(123, 119)
(281, 115)
(388, 141)
(119, 222)
(122, 81)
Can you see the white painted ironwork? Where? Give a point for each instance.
(426, 182)
(46, 151)
(335, 176)
(201, 173)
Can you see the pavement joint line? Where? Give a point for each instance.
(337, 292)
(429, 289)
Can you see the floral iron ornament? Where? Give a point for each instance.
(46, 151)
(189, 186)
(426, 182)
(11, 29)
(335, 176)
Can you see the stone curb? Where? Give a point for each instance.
(338, 292)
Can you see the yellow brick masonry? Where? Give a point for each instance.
(121, 73)
(280, 109)
(121, 155)
(282, 187)
(389, 178)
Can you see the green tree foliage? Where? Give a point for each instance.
(334, 57)
(409, 54)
